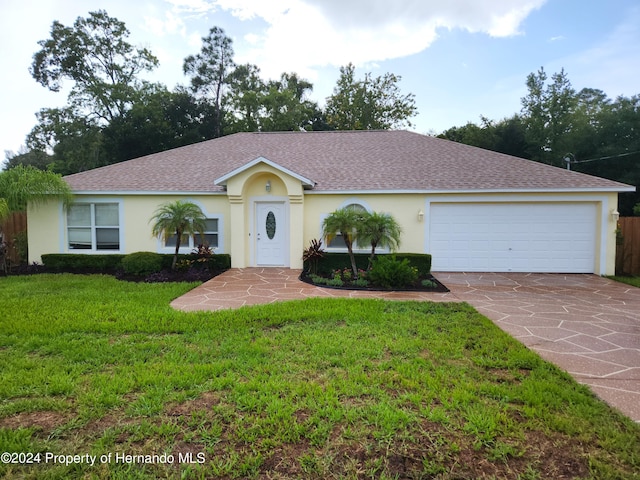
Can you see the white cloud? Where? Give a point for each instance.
(171, 24)
(302, 35)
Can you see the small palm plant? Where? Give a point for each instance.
(177, 218)
(344, 221)
(379, 230)
(22, 185)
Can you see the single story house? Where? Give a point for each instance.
(265, 196)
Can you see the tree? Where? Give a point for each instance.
(379, 230)
(547, 111)
(179, 218)
(76, 141)
(34, 158)
(344, 221)
(285, 104)
(162, 120)
(372, 103)
(244, 99)
(210, 71)
(22, 185)
(505, 136)
(95, 55)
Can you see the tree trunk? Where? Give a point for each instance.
(175, 255)
(354, 267)
(373, 254)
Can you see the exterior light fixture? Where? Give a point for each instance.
(420, 215)
(615, 215)
(267, 187)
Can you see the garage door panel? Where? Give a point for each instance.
(497, 237)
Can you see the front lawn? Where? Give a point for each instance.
(635, 281)
(321, 388)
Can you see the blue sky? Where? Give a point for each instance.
(461, 58)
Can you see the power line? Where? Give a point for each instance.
(571, 159)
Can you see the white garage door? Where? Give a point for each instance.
(513, 237)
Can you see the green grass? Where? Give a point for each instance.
(321, 388)
(635, 281)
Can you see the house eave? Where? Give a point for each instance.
(471, 191)
(147, 192)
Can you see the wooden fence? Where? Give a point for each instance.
(628, 250)
(14, 230)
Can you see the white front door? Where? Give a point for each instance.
(271, 234)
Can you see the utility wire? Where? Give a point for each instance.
(605, 158)
(571, 159)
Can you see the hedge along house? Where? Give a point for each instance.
(266, 194)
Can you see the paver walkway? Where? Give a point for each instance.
(250, 286)
(585, 324)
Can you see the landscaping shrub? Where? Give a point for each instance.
(142, 263)
(388, 272)
(214, 263)
(80, 262)
(334, 261)
(111, 263)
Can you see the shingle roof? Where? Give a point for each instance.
(339, 161)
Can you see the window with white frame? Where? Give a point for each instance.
(93, 226)
(337, 242)
(210, 237)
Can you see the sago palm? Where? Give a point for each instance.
(379, 230)
(345, 222)
(179, 218)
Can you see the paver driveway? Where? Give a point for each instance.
(585, 324)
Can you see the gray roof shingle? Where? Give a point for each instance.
(339, 161)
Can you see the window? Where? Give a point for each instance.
(93, 226)
(208, 237)
(337, 242)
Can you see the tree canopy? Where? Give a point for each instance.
(96, 57)
(369, 104)
(598, 134)
(113, 115)
(21, 185)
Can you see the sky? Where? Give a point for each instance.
(462, 59)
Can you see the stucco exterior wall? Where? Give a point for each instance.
(138, 211)
(306, 210)
(47, 223)
(404, 208)
(44, 229)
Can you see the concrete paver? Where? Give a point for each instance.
(585, 324)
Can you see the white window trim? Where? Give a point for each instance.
(93, 250)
